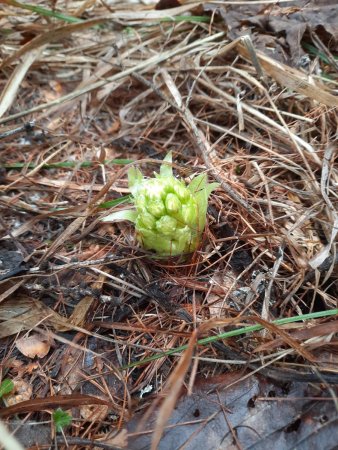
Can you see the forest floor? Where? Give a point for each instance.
(104, 345)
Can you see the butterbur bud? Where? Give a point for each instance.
(156, 208)
(166, 225)
(172, 203)
(169, 216)
(146, 220)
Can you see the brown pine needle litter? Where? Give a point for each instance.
(89, 89)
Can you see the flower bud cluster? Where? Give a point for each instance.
(167, 216)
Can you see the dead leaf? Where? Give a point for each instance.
(8, 288)
(278, 31)
(228, 412)
(24, 313)
(80, 312)
(19, 368)
(216, 302)
(114, 127)
(120, 440)
(94, 413)
(167, 4)
(22, 392)
(75, 371)
(71, 370)
(33, 345)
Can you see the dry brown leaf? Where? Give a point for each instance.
(71, 370)
(253, 412)
(33, 345)
(120, 440)
(94, 413)
(22, 391)
(19, 368)
(279, 30)
(24, 313)
(115, 126)
(79, 314)
(216, 302)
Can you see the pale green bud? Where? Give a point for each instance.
(181, 191)
(156, 208)
(189, 214)
(172, 203)
(166, 225)
(169, 216)
(146, 220)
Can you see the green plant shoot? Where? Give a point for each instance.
(169, 216)
(61, 419)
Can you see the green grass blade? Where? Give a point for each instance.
(194, 19)
(232, 333)
(314, 51)
(65, 164)
(117, 201)
(44, 12)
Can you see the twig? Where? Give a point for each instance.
(87, 443)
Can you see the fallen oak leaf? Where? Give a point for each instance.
(52, 402)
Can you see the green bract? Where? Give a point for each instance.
(169, 216)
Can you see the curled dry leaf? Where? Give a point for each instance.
(19, 368)
(94, 413)
(33, 345)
